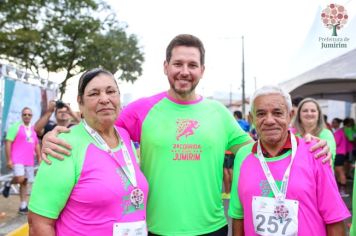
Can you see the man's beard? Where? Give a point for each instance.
(184, 93)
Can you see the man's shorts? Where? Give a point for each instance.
(229, 161)
(339, 160)
(27, 171)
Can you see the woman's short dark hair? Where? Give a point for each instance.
(88, 76)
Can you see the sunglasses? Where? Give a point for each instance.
(26, 114)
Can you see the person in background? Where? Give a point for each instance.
(278, 187)
(349, 131)
(327, 124)
(295, 102)
(243, 123)
(340, 158)
(21, 146)
(183, 137)
(227, 176)
(309, 120)
(335, 124)
(99, 189)
(63, 114)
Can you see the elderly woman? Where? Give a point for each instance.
(99, 189)
(309, 120)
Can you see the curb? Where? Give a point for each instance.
(21, 231)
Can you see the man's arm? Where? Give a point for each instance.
(236, 147)
(56, 147)
(8, 144)
(40, 226)
(76, 119)
(237, 227)
(336, 229)
(41, 123)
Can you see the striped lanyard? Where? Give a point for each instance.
(28, 131)
(279, 194)
(129, 169)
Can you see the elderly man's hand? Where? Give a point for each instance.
(10, 165)
(56, 147)
(321, 144)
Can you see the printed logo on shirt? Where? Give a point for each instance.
(266, 190)
(186, 127)
(126, 201)
(128, 207)
(186, 151)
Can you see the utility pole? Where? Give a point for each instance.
(243, 79)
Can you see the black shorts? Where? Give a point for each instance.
(349, 157)
(339, 160)
(229, 161)
(220, 232)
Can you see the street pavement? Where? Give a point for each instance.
(9, 217)
(11, 220)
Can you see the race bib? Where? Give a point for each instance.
(270, 218)
(137, 228)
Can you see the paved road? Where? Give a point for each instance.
(11, 220)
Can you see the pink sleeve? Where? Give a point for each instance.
(330, 204)
(133, 115)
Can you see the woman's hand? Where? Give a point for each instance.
(56, 147)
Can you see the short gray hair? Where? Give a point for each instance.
(271, 89)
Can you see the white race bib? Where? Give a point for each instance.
(137, 228)
(270, 218)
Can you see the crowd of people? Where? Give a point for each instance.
(279, 165)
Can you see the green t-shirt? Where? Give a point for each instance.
(328, 136)
(182, 155)
(59, 177)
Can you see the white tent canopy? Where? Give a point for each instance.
(333, 80)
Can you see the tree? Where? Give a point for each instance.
(68, 35)
(19, 37)
(334, 17)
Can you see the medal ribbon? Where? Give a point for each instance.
(129, 170)
(279, 194)
(28, 131)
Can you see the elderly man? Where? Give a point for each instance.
(21, 146)
(290, 192)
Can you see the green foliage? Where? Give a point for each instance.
(67, 35)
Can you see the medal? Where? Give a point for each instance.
(28, 133)
(136, 197)
(281, 212)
